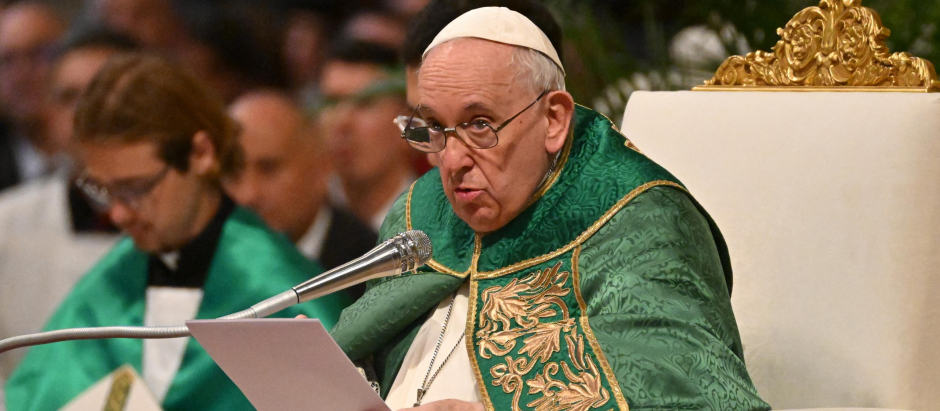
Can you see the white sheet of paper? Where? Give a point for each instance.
(286, 365)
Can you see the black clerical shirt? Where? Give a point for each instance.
(195, 258)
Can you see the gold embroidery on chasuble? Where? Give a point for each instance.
(120, 390)
(531, 345)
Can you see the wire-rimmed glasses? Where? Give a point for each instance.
(432, 138)
(129, 194)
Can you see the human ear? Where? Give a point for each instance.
(202, 157)
(560, 112)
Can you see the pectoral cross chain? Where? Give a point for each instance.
(420, 397)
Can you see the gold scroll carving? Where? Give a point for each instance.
(837, 44)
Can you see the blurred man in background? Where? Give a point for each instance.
(154, 142)
(217, 40)
(285, 180)
(376, 27)
(49, 233)
(27, 34)
(364, 93)
(406, 9)
(79, 57)
(229, 50)
(305, 46)
(155, 24)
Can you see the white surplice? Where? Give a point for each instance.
(455, 380)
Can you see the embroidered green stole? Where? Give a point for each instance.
(577, 302)
(251, 263)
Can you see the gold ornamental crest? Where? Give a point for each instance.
(837, 44)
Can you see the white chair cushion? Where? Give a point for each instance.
(830, 204)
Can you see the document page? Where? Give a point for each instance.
(286, 364)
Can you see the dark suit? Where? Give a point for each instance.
(346, 240)
(9, 170)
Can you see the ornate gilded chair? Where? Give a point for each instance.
(820, 161)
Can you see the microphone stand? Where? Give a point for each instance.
(260, 310)
(402, 253)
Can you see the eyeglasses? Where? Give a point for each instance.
(432, 138)
(129, 193)
(404, 122)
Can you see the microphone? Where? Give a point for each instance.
(404, 252)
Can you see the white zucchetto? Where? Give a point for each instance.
(501, 25)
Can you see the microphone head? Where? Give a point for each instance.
(414, 247)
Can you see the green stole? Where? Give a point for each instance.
(251, 263)
(527, 332)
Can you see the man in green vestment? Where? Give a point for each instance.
(570, 272)
(154, 142)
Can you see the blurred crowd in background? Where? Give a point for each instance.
(315, 84)
(612, 48)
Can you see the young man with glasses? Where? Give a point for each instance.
(154, 142)
(569, 270)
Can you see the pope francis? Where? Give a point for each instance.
(571, 272)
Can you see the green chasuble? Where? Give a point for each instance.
(610, 291)
(251, 263)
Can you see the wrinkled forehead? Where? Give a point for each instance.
(467, 73)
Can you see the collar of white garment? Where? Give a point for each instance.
(311, 244)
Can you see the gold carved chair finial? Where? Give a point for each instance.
(838, 45)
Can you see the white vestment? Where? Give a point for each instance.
(41, 258)
(455, 381)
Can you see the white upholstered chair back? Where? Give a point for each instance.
(830, 204)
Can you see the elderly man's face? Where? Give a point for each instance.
(469, 79)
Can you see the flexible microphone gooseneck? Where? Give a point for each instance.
(404, 252)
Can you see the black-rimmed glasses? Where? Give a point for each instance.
(129, 194)
(432, 138)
